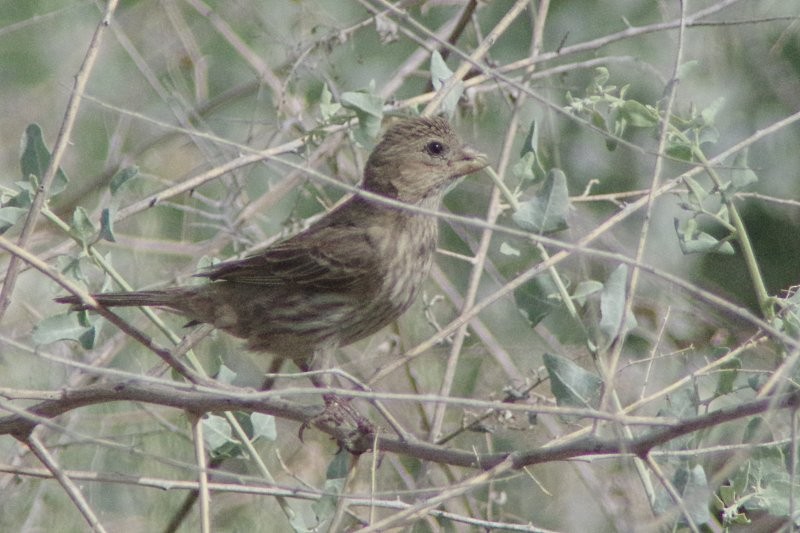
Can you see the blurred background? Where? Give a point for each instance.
(180, 88)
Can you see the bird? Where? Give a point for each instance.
(346, 276)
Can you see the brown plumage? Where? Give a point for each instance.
(350, 273)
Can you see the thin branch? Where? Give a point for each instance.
(390, 500)
(202, 470)
(673, 492)
(172, 359)
(59, 149)
(72, 490)
(406, 516)
(204, 400)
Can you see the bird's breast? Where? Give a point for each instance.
(406, 250)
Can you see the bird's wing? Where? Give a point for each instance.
(330, 257)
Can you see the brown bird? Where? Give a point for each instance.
(345, 277)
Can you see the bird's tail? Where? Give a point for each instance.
(120, 299)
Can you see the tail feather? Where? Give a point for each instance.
(123, 299)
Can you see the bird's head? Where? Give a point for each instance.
(417, 159)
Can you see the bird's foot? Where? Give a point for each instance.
(337, 412)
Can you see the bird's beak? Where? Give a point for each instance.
(470, 161)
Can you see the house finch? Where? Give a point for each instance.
(350, 273)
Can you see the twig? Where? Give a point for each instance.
(202, 470)
(59, 149)
(123, 325)
(202, 399)
(402, 517)
(72, 490)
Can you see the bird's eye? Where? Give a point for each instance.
(435, 148)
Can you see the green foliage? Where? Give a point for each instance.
(572, 385)
(529, 167)
(547, 211)
(612, 305)
(536, 299)
(65, 327)
(220, 437)
(692, 240)
(36, 158)
(122, 177)
(692, 485)
(728, 504)
(9, 216)
(107, 225)
(440, 74)
(327, 107)
(368, 107)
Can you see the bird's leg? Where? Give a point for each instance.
(275, 367)
(336, 409)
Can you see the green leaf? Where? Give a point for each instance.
(678, 149)
(693, 485)
(638, 115)
(217, 435)
(742, 176)
(36, 158)
(570, 384)
(722, 213)
(531, 143)
(122, 177)
(72, 267)
(368, 107)
(9, 216)
(325, 506)
(245, 421)
(756, 431)
(82, 227)
(790, 321)
(440, 73)
(507, 249)
(598, 120)
(89, 337)
(707, 135)
(335, 478)
(612, 304)
(523, 169)
(727, 494)
(327, 107)
(696, 193)
(107, 225)
(533, 299)
(764, 485)
(756, 382)
(264, 426)
(709, 114)
(693, 241)
(735, 517)
(339, 465)
(727, 376)
(601, 76)
(529, 167)
(24, 198)
(585, 289)
(681, 403)
(364, 102)
(63, 327)
(225, 375)
(547, 211)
